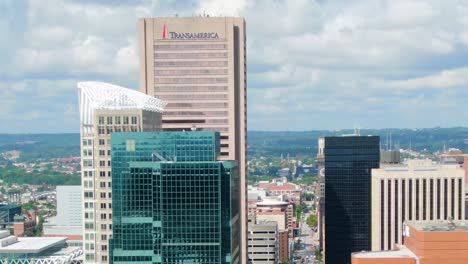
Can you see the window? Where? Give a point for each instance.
(88, 194)
(103, 195)
(109, 185)
(125, 120)
(104, 248)
(102, 173)
(109, 195)
(117, 120)
(87, 163)
(102, 142)
(89, 215)
(89, 257)
(104, 258)
(101, 120)
(134, 120)
(130, 144)
(103, 227)
(109, 120)
(103, 205)
(104, 237)
(103, 216)
(89, 226)
(102, 163)
(102, 184)
(102, 152)
(88, 184)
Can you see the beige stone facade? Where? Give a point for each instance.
(419, 191)
(263, 243)
(198, 66)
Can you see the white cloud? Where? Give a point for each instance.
(312, 64)
(456, 78)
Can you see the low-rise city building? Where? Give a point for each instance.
(42, 250)
(425, 242)
(263, 242)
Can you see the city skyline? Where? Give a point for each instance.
(317, 65)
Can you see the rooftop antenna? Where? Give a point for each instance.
(386, 137)
(391, 140)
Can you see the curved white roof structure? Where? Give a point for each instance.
(106, 96)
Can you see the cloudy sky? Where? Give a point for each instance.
(323, 64)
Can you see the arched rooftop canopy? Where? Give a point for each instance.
(106, 96)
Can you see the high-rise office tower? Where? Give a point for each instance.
(173, 201)
(348, 164)
(198, 66)
(104, 109)
(419, 191)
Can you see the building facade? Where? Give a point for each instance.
(263, 243)
(105, 109)
(348, 164)
(174, 202)
(419, 191)
(198, 65)
(69, 219)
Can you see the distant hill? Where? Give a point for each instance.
(45, 146)
(36, 146)
(305, 143)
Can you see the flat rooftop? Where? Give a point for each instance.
(440, 226)
(32, 244)
(402, 252)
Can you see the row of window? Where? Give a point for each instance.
(191, 55)
(109, 130)
(118, 120)
(197, 113)
(196, 105)
(191, 80)
(191, 72)
(193, 96)
(190, 47)
(213, 63)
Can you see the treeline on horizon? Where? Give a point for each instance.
(266, 143)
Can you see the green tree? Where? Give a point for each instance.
(312, 220)
(318, 255)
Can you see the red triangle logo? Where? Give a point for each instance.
(164, 34)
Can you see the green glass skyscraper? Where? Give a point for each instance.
(173, 201)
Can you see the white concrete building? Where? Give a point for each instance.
(105, 109)
(263, 243)
(419, 191)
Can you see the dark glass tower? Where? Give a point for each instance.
(173, 202)
(348, 164)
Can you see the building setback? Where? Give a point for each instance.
(105, 109)
(419, 191)
(198, 65)
(348, 164)
(173, 201)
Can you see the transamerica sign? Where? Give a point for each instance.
(181, 35)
